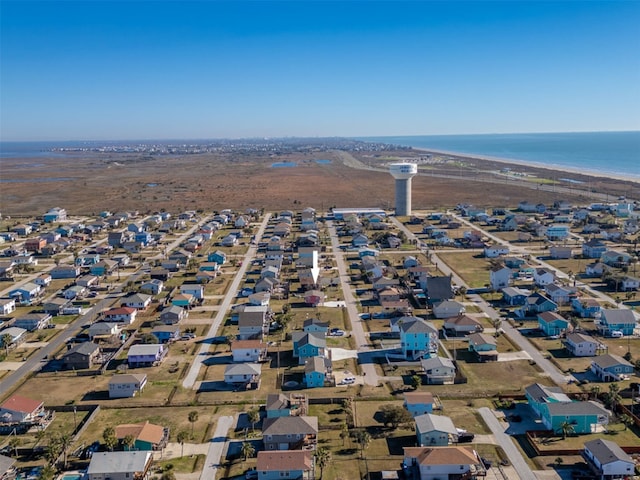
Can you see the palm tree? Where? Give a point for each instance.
(613, 396)
(65, 443)
(363, 439)
(6, 340)
(344, 432)
(129, 441)
(247, 449)
(193, 418)
(182, 438)
(109, 437)
(566, 428)
(626, 420)
(47, 473)
(595, 391)
(323, 457)
(254, 417)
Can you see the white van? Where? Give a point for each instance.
(617, 334)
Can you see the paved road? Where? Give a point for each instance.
(357, 331)
(216, 447)
(191, 378)
(520, 467)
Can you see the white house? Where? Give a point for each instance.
(543, 276)
(580, 345)
(607, 460)
(499, 277)
(127, 385)
(195, 289)
(139, 301)
(494, 251)
(248, 350)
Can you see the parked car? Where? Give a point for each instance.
(465, 437)
(336, 332)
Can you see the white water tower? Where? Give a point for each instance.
(403, 173)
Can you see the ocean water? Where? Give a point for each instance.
(598, 152)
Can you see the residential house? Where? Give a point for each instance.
(173, 314)
(484, 346)
(494, 251)
(139, 301)
(593, 248)
(283, 405)
(253, 322)
(313, 298)
(7, 470)
(557, 231)
(438, 370)
(585, 417)
(56, 214)
(166, 333)
(629, 284)
(437, 289)
(18, 335)
(540, 396)
(360, 240)
(205, 276)
(581, 345)
(81, 356)
(418, 339)
(462, 325)
(229, 241)
(552, 323)
(243, 373)
(514, 295)
(146, 436)
(314, 324)
(32, 321)
(183, 300)
(614, 258)
(315, 372)
(125, 315)
(310, 345)
(560, 294)
(160, 273)
(435, 430)
(34, 245)
(290, 433)
(448, 309)
(611, 368)
(616, 319)
(195, 289)
(296, 464)
(88, 281)
(499, 277)
(543, 276)
(75, 292)
(20, 409)
(534, 304)
(152, 287)
(249, 351)
(104, 330)
(595, 269)
(127, 385)
(56, 306)
(607, 460)
(451, 462)
(145, 355)
(26, 294)
(133, 465)
(586, 307)
(418, 403)
(558, 252)
(7, 305)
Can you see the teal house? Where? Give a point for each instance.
(311, 346)
(315, 372)
(146, 436)
(219, 257)
(551, 323)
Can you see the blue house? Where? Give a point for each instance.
(514, 295)
(315, 372)
(534, 304)
(26, 294)
(166, 333)
(584, 417)
(594, 248)
(586, 307)
(309, 346)
(103, 267)
(145, 238)
(435, 430)
(218, 257)
(418, 403)
(484, 346)
(540, 396)
(315, 325)
(617, 320)
(418, 338)
(282, 405)
(552, 323)
(611, 368)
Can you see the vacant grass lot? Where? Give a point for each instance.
(470, 266)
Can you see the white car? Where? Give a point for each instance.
(348, 381)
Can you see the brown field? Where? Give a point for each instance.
(91, 183)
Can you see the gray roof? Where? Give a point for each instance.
(610, 360)
(243, 369)
(580, 338)
(145, 349)
(576, 408)
(315, 364)
(300, 424)
(277, 401)
(5, 464)
(118, 462)
(606, 451)
(429, 423)
(86, 348)
(436, 362)
(618, 315)
(417, 325)
(540, 393)
(315, 340)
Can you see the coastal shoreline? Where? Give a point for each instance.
(535, 165)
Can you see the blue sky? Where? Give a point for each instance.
(167, 70)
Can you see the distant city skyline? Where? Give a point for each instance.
(158, 70)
